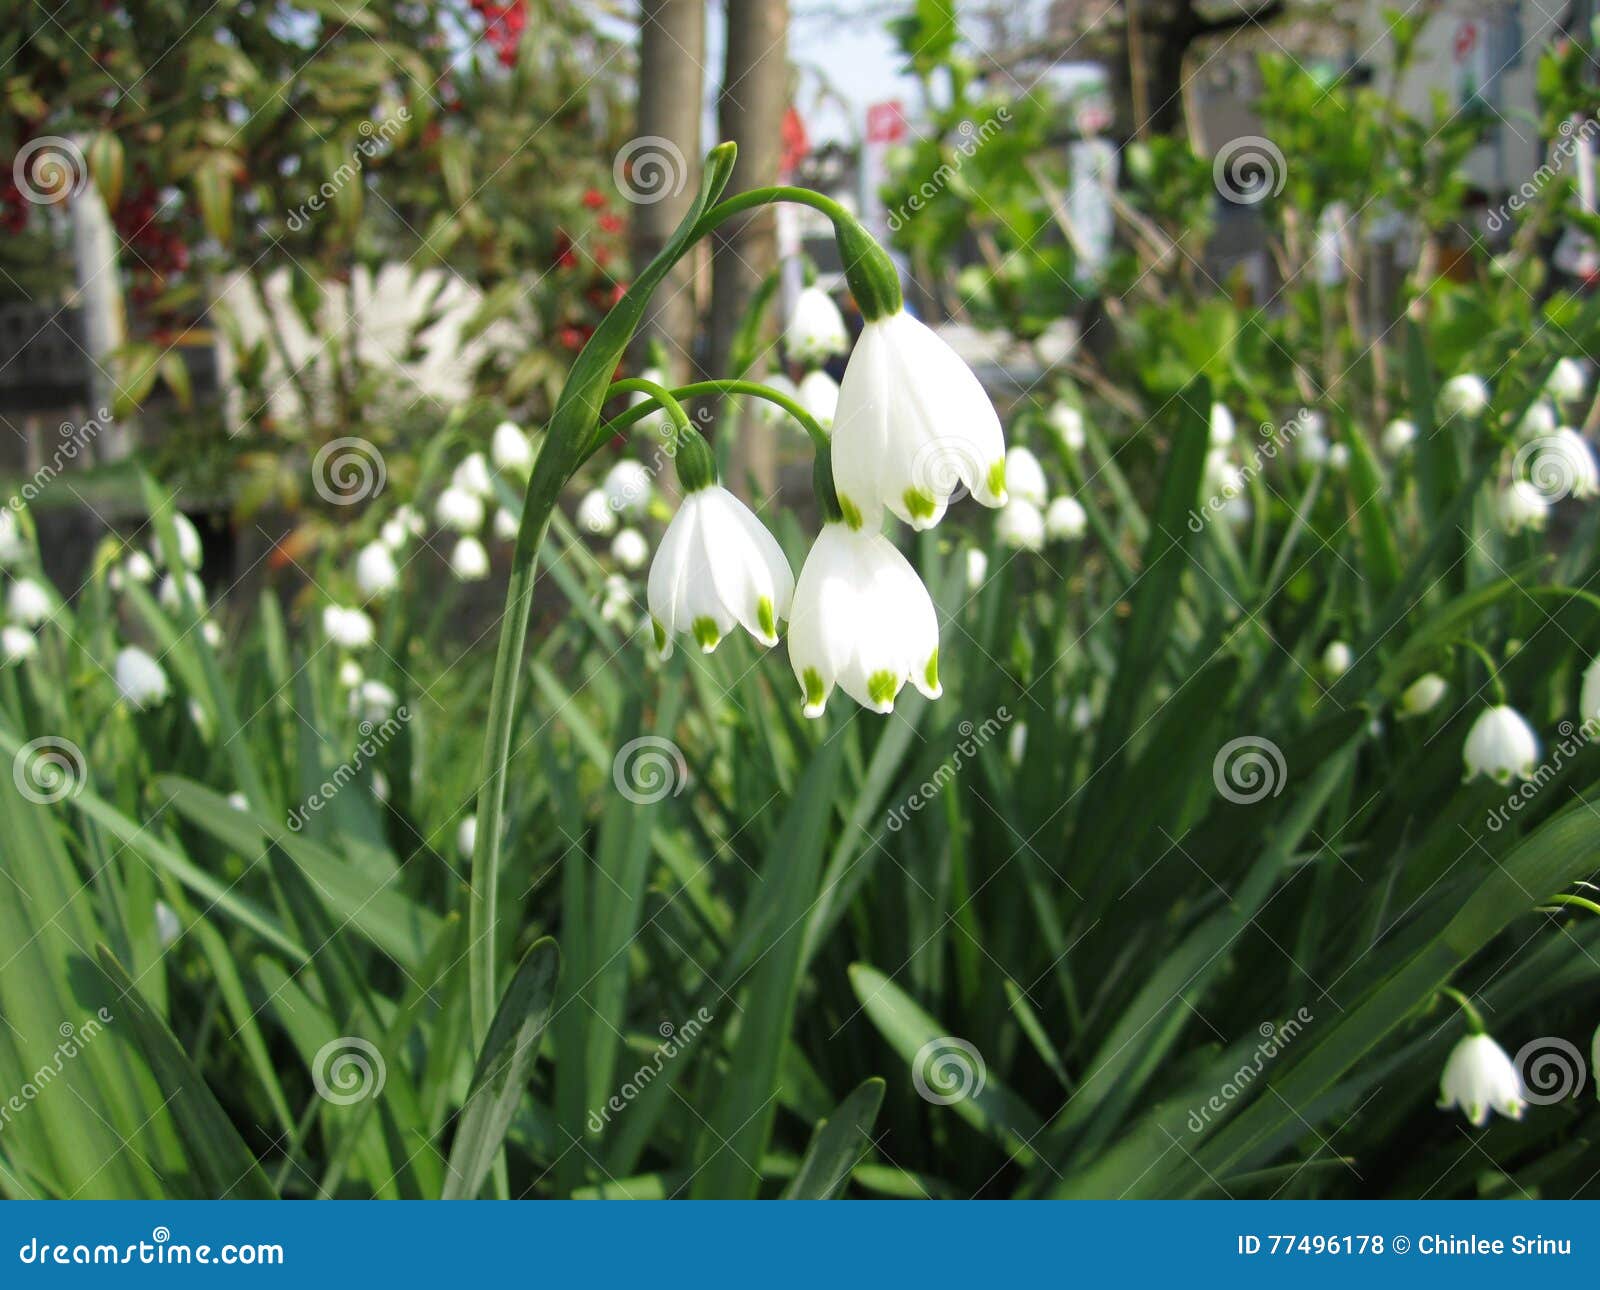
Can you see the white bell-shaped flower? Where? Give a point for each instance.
(627, 488)
(1020, 526)
(815, 331)
(1336, 660)
(469, 561)
(170, 595)
(1065, 520)
(376, 573)
(1398, 437)
(1025, 477)
(717, 566)
(1568, 381)
(459, 510)
(467, 837)
(350, 674)
(630, 550)
(211, 633)
(1466, 395)
(862, 621)
(27, 602)
(12, 547)
(977, 568)
(349, 628)
(769, 412)
(189, 547)
(1521, 506)
(595, 514)
(1478, 1078)
(401, 527)
(472, 476)
(505, 525)
(1501, 745)
(137, 568)
(139, 678)
(510, 449)
(1067, 422)
(17, 644)
(1564, 466)
(373, 701)
(1222, 427)
(913, 425)
(1422, 695)
(1589, 694)
(818, 394)
(1541, 418)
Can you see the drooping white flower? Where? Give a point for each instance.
(211, 633)
(1422, 695)
(1568, 381)
(459, 510)
(1067, 422)
(862, 621)
(769, 412)
(717, 566)
(913, 424)
(1082, 713)
(1500, 745)
(401, 527)
(189, 546)
(170, 595)
(1464, 396)
(238, 801)
(1222, 426)
(27, 602)
(380, 786)
(1017, 743)
(469, 561)
(977, 568)
(595, 515)
(1522, 506)
(1339, 457)
(505, 525)
(1589, 694)
(616, 600)
(1221, 476)
(629, 549)
(12, 547)
(471, 475)
(1065, 520)
(627, 488)
(815, 331)
(1025, 477)
(350, 674)
(376, 573)
(510, 449)
(139, 678)
(467, 836)
(373, 701)
(1398, 436)
(1478, 1078)
(1541, 418)
(349, 628)
(168, 928)
(818, 394)
(1565, 460)
(17, 644)
(655, 420)
(1336, 660)
(1020, 526)
(137, 568)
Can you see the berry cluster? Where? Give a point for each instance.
(503, 25)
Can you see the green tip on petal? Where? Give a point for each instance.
(816, 694)
(881, 689)
(767, 618)
(706, 632)
(918, 503)
(663, 641)
(997, 478)
(850, 511)
(930, 674)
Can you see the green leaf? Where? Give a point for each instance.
(837, 1145)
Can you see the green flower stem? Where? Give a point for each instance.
(1473, 1016)
(754, 389)
(1488, 662)
(1576, 902)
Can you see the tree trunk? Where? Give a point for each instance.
(755, 94)
(672, 48)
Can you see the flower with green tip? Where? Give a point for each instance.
(1423, 695)
(1478, 1078)
(1501, 745)
(815, 331)
(717, 567)
(862, 621)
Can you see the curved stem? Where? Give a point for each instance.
(619, 423)
(1474, 1017)
(1488, 663)
(745, 201)
(660, 395)
(1577, 902)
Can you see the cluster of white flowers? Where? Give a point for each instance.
(27, 602)
(1031, 518)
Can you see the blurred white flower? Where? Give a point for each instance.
(511, 450)
(139, 678)
(349, 628)
(1422, 695)
(818, 394)
(505, 525)
(629, 549)
(1067, 422)
(170, 595)
(655, 420)
(459, 510)
(211, 633)
(1541, 418)
(1577, 472)
(1478, 1078)
(1500, 745)
(137, 568)
(350, 674)
(467, 837)
(595, 515)
(1222, 426)
(1065, 520)
(1082, 713)
(1025, 477)
(1522, 506)
(168, 928)
(862, 620)
(717, 566)
(380, 786)
(238, 801)
(1339, 456)
(768, 411)
(1398, 436)
(401, 527)
(27, 602)
(977, 568)
(627, 488)
(469, 561)
(472, 476)
(1017, 743)
(17, 644)
(913, 423)
(1589, 696)
(1464, 396)
(616, 599)
(373, 701)
(815, 331)
(189, 551)
(1568, 381)
(1220, 476)
(12, 546)
(376, 573)
(1020, 526)
(1336, 660)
